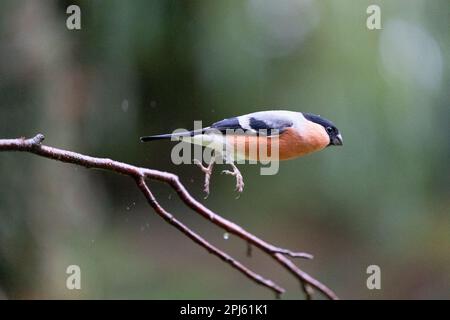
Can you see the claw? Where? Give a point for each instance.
(207, 171)
(239, 179)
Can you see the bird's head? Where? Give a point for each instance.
(331, 130)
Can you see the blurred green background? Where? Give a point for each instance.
(147, 67)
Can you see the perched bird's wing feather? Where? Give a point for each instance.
(265, 122)
(260, 123)
(227, 124)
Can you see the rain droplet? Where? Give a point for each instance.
(226, 235)
(125, 105)
(128, 208)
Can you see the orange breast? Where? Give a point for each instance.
(290, 144)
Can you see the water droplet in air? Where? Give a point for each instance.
(130, 206)
(125, 105)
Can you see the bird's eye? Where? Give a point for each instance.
(329, 129)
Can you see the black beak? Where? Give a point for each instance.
(337, 140)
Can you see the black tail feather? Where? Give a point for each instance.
(157, 137)
(170, 135)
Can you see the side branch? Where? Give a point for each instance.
(280, 255)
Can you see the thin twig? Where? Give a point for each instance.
(202, 242)
(34, 145)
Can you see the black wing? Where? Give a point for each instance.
(227, 124)
(268, 127)
(266, 123)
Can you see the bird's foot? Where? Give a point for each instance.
(237, 174)
(208, 172)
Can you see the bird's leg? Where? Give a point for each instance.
(208, 171)
(237, 174)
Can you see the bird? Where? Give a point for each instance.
(288, 134)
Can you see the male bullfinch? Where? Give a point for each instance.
(290, 134)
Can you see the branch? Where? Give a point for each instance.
(280, 255)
